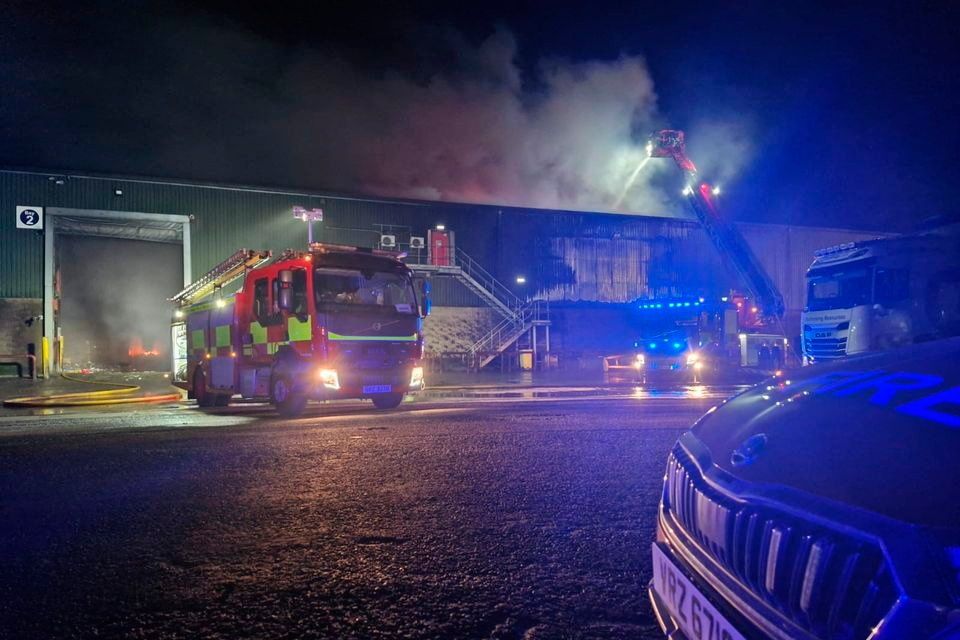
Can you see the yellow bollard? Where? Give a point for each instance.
(45, 356)
(60, 353)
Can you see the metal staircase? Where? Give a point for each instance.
(508, 331)
(477, 279)
(519, 317)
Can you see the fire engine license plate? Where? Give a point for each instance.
(698, 619)
(377, 388)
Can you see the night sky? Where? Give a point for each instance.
(834, 114)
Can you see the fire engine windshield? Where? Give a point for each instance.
(839, 289)
(375, 290)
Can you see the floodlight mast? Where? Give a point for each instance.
(309, 216)
(669, 143)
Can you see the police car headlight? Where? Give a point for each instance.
(693, 358)
(416, 377)
(329, 378)
(639, 361)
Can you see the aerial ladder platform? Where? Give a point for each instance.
(669, 143)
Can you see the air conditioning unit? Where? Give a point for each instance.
(388, 242)
(417, 242)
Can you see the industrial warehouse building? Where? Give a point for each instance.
(113, 249)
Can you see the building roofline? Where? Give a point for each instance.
(304, 192)
(332, 195)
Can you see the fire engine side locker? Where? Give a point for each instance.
(210, 329)
(223, 357)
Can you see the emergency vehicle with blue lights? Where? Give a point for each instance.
(706, 332)
(824, 504)
(333, 322)
(881, 294)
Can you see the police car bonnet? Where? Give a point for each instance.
(880, 432)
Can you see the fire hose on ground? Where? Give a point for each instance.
(119, 393)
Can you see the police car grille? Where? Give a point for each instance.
(830, 584)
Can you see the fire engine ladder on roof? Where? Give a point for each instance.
(221, 275)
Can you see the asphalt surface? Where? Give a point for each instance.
(449, 518)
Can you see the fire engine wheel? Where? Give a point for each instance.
(289, 404)
(204, 397)
(387, 400)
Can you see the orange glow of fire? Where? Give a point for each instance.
(136, 349)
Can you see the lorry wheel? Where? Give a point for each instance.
(387, 400)
(288, 403)
(204, 397)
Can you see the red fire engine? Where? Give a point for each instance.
(332, 322)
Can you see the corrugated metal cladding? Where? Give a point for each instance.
(564, 255)
(21, 252)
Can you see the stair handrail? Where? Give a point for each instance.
(499, 290)
(531, 312)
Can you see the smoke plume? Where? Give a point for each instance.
(476, 131)
(454, 120)
(483, 137)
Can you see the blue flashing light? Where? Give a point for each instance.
(677, 345)
(652, 345)
(659, 305)
(686, 304)
(670, 305)
(696, 304)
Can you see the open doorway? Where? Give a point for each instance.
(113, 311)
(108, 276)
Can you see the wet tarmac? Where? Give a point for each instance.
(483, 517)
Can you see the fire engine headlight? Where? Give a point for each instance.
(698, 365)
(416, 377)
(329, 378)
(693, 358)
(639, 361)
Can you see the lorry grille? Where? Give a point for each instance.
(834, 346)
(825, 347)
(830, 584)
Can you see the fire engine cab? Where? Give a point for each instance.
(333, 322)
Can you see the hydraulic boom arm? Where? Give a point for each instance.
(724, 235)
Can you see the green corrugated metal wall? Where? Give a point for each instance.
(225, 219)
(548, 247)
(21, 252)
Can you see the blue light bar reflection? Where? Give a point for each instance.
(675, 304)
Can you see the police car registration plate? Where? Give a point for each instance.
(377, 388)
(698, 619)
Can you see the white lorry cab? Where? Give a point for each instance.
(881, 294)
